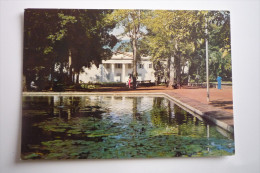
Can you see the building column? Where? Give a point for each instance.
(101, 72)
(112, 74)
(123, 73)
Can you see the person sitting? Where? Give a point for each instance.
(33, 86)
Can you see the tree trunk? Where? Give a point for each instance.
(134, 59)
(178, 70)
(61, 77)
(73, 78)
(171, 71)
(156, 83)
(24, 83)
(70, 75)
(77, 78)
(61, 68)
(70, 68)
(52, 74)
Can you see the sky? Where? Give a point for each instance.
(119, 30)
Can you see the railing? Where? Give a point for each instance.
(211, 85)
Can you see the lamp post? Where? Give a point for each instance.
(207, 59)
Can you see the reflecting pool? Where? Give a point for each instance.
(105, 127)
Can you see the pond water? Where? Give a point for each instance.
(105, 127)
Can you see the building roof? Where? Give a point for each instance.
(122, 55)
(123, 58)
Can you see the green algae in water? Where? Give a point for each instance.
(102, 127)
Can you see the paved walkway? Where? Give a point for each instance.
(219, 109)
(218, 98)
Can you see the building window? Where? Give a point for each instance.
(129, 65)
(107, 66)
(141, 66)
(118, 65)
(150, 65)
(118, 74)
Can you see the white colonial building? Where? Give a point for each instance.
(118, 69)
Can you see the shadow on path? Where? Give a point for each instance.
(223, 104)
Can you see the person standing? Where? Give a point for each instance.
(219, 82)
(129, 82)
(197, 78)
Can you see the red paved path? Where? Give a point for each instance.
(218, 98)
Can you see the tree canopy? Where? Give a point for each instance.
(66, 40)
(178, 37)
(59, 43)
(132, 22)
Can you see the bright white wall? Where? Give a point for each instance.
(245, 23)
(90, 74)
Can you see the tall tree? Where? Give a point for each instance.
(167, 30)
(132, 22)
(37, 26)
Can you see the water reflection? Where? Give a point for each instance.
(60, 127)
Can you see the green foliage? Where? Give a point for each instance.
(132, 21)
(181, 34)
(128, 148)
(72, 39)
(30, 156)
(48, 50)
(67, 40)
(113, 84)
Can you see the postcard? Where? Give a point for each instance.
(126, 84)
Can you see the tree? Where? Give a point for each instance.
(66, 40)
(132, 22)
(37, 26)
(88, 40)
(179, 36)
(167, 31)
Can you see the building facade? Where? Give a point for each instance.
(118, 69)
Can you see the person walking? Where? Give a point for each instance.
(219, 82)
